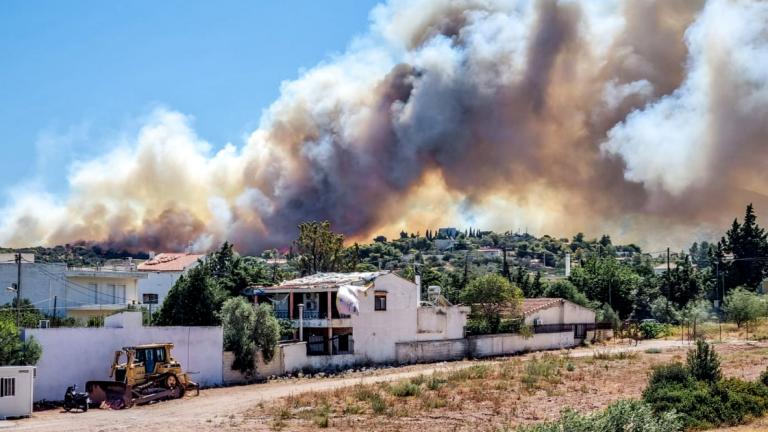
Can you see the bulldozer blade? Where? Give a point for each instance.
(115, 394)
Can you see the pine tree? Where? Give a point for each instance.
(748, 243)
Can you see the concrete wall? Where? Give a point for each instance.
(157, 283)
(431, 351)
(289, 358)
(503, 344)
(76, 355)
(441, 322)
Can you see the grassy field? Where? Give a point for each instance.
(490, 396)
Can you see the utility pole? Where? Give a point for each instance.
(18, 289)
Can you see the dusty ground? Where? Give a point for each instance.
(501, 398)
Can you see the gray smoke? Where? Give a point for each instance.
(642, 119)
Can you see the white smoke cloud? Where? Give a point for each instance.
(560, 116)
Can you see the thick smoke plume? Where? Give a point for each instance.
(647, 120)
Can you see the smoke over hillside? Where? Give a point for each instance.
(647, 120)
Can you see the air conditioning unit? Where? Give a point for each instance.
(16, 385)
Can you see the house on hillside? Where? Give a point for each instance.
(490, 253)
(162, 271)
(390, 311)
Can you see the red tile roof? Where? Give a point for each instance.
(170, 262)
(531, 305)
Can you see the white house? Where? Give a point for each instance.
(547, 315)
(491, 253)
(162, 271)
(81, 292)
(390, 312)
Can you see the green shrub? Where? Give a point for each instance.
(670, 373)
(764, 377)
(703, 403)
(627, 415)
(434, 382)
(703, 362)
(653, 330)
(405, 389)
(378, 404)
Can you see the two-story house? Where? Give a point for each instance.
(390, 311)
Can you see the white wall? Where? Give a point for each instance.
(76, 355)
(441, 322)
(157, 283)
(563, 312)
(431, 351)
(502, 344)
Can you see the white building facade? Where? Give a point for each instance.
(162, 271)
(390, 312)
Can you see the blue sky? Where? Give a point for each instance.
(75, 74)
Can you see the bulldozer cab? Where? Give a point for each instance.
(151, 356)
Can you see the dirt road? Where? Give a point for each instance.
(212, 407)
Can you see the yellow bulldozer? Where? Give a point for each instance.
(149, 374)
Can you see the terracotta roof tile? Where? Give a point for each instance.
(531, 305)
(169, 262)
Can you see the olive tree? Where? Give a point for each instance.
(743, 307)
(489, 295)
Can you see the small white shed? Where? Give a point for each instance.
(16, 384)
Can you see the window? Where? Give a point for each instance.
(149, 298)
(7, 387)
(119, 295)
(380, 301)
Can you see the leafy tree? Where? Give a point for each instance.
(266, 331)
(606, 280)
(489, 295)
(742, 306)
(703, 363)
(248, 330)
(30, 315)
(192, 301)
(745, 241)
(320, 249)
(565, 289)
(237, 318)
(684, 284)
(607, 314)
(664, 311)
(14, 351)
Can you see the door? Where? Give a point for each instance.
(580, 331)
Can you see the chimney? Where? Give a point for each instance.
(418, 290)
(151, 254)
(567, 265)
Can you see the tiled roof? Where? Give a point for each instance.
(531, 305)
(170, 262)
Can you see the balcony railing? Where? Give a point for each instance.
(308, 315)
(320, 347)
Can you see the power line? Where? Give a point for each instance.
(88, 289)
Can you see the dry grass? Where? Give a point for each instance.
(490, 396)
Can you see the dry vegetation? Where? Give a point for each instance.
(488, 396)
